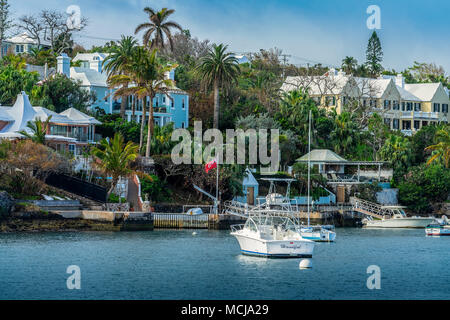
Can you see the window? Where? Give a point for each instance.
(19, 48)
(172, 104)
(182, 125)
(164, 99)
(416, 124)
(445, 107)
(403, 106)
(395, 124)
(72, 148)
(387, 104)
(436, 107)
(417, 106)
(409, 106)
(387, 122)
(406, 125)
(395, 105)
(182, 104)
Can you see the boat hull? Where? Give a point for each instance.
(319, 236)
(274, 248)
(399, 223)
(437, 232)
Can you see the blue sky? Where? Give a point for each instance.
(324, 31)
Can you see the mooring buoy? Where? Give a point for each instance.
(305, 264)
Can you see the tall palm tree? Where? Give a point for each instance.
(39, 130)
(135, 75)
(148, 75)
(442, 147)
(218, 68)
(158, 27)
(118, 62)
(114, 157)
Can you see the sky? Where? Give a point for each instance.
(311, 31)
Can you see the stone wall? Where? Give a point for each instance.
(118, 206)
(6, 203)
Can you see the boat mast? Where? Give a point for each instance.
(309, 161)
(217, 186)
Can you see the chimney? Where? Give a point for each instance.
(170, 75)
(63, 65)
(400, 81)
(95, 65)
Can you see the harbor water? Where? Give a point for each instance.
(177, 264)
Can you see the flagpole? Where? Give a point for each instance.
(217, 188)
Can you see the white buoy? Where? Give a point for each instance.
(305, 264)
(194, 233)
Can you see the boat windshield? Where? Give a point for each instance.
(285, 223)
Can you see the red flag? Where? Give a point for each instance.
(211, 165)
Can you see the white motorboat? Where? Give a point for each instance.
(378, 216)
(437, 230)
(441, 228)
(272, 235)
(318, 233)
(397, 219)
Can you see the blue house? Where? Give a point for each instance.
(170, 107)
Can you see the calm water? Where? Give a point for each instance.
(178, 265)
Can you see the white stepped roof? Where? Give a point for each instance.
(79, 117)
(90, 56)
(322, 155)
(407, 96)
(21, 112)
(425, 91)
(249, 179)
(25, 38)
(316, 85)
(89, 77)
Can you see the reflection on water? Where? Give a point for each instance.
(175, 264)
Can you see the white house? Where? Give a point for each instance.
(70, 130)
(22, 43)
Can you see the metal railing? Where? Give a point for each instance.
(370, 208)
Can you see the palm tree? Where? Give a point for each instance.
(118, 62)
(345, 133)
(349, 64)
(442, 147)
(159, 27)
(148, 74)
(39, 130)
(218, 68)
(114, 157)
(397, 150)
(135, 75)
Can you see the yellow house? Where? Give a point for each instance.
(332, 90)
(405, 107)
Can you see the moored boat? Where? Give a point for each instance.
(318, 233)
(437, 230)
(273, 236)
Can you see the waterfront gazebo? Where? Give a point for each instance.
(332, 166)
